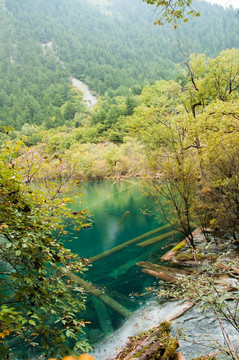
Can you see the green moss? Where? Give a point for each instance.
(184, 256)
(190, 256)
(140, 352)
(179, 246)
(165, 327)
(171, 347)
(165, 348)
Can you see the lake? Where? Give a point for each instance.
(120, 212)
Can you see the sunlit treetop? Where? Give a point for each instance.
(173, 11)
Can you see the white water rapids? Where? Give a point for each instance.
(202, 330)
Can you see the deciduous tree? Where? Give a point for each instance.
(39, 307)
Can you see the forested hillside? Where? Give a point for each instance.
(166, 112)
(112, 46)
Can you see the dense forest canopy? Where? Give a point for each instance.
(109, 45)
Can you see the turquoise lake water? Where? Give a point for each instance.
(108, 203)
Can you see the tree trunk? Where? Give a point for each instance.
(103, 316)
(100, 294)
(154, 344)
(157, 238)
(127, 243)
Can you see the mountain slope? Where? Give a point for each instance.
(108, 44)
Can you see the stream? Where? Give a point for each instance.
(90, 99)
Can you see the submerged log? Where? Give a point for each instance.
(123, 217)
(127, 243)
(128, 265)
(100, 294)
(157, 238)
(103, 316)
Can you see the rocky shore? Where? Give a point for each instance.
(183, 330)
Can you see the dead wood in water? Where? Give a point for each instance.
(126, 266)
(123, 217)
(157, 238)
(127, 243)
(173, 275)
(100, 294)
(161, 272)
(160, 275)
(103, 315)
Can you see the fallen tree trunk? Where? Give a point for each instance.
(171, 254)
(127, 243)
(156, 342)
(150, 344)
(146, 341)
(180, 310)
(157, 238)
(160, 275)
(161, 272)
(173, 275)
(103, 316)
(157, 267)
(100, 294)
(128, 265)
(123, 217)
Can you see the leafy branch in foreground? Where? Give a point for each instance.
(173, 10)
(39, 308)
